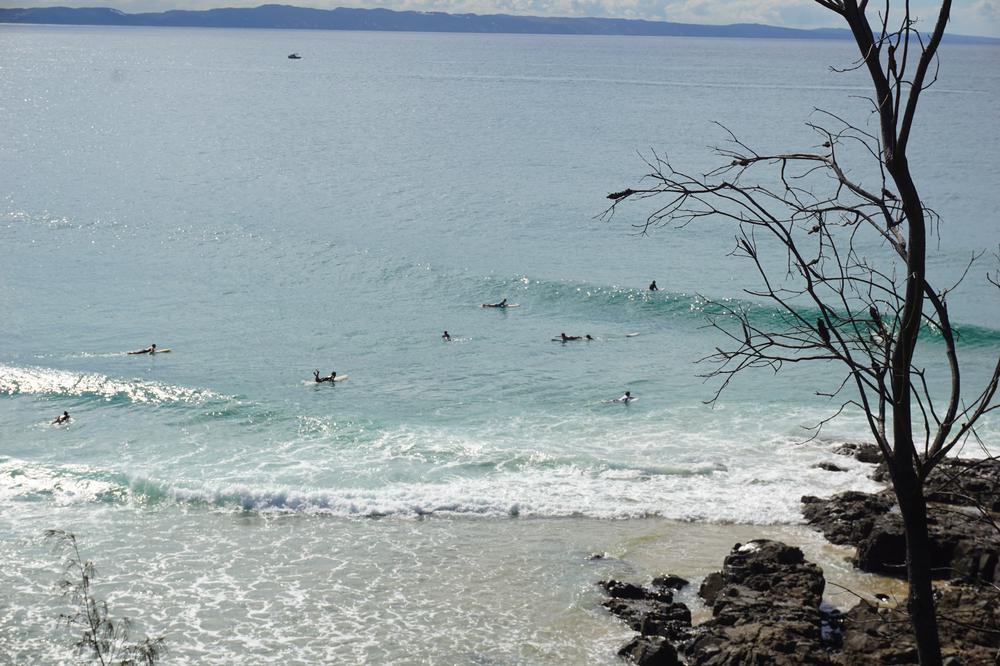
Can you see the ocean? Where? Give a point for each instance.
(264, 218)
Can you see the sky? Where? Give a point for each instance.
(969, 17)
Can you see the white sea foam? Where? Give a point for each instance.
(719, 494)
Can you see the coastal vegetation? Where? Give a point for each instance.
(104, 640)
(844, 258)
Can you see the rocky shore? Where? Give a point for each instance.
(767, 601)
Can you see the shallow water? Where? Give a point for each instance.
(265, 217)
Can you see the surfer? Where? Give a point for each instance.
(148, 350)
(446, 337)
(501, 304)
(589, 337)
(568, 338)
(627, 398)
(62, 418)
(332, 377)
(653, 287)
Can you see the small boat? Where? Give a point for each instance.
(294, 56)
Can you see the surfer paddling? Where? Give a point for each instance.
(62, 418)
(151, 349)
(332, 377)
(501, 304)
(569, 338)
(627, 398)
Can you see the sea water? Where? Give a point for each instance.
(264, 218)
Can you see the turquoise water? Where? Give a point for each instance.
(265, 217)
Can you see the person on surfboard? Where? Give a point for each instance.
(568, 338)
(332, 377)
(627, 398)
(62, 418)
(446, 337)
(653, 287)
(148, 350)
(501, 304)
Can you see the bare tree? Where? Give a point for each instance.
(850, 277)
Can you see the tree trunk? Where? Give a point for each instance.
(920, 602)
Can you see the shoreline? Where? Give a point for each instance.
(771, 599)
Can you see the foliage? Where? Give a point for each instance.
(104, 640)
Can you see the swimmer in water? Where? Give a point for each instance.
(446, 337)
(589, 337)
(148, 350)
(653, 287)
(627, 398)
(319, 380)
(62, 418)
(501, 304)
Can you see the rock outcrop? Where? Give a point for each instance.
(653, 613)
(962, 496)
(765, 610)
(969, 626)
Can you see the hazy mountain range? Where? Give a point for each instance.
(288, 17)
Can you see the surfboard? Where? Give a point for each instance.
(497, 307)
(631, 335)
(569, 340)
(162, 351)
(313, 382)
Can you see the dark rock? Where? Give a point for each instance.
(883, 549)
(876, 634)
(960, 482)
(710, 586)
(670, 582)
(973, 483)
(866, 453)
(651, 612)
(846, 518)
(962, 544)
(619, 590)
(766, 612)
(650, 651)
(829, 467)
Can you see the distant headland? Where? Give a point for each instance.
(343, 18)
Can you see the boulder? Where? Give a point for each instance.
(650, 651)
(829, 467)
(866, 453)
(670, 582)
(710, 586)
